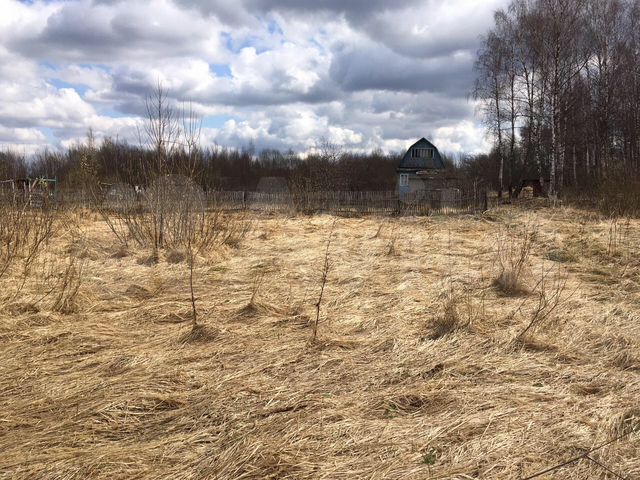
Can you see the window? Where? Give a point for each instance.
(422, 153)
(404, 179)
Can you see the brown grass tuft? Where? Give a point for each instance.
(175, 256)
(448, 321)
(199, 334)
(138, 292)
(513, 251)
(626, 423)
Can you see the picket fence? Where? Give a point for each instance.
(356, 203)
(435, 202)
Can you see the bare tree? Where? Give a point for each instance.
(566, 74)
(161, 128)
(490, 90)
(191, 133)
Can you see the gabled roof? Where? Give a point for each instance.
(409, 163)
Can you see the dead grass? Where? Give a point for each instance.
(514, 246)
(120, 386)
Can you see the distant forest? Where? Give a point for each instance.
(214, 168)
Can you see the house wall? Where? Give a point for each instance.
(447, 187)
(416, 184)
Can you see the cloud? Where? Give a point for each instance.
(279, 73)
(103, 33)
(432, 28)
(21, 136)
(358, 68)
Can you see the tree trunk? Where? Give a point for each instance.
(552, 171)
(512, 144)
(588, 162)
(575, 167)
(499, 128)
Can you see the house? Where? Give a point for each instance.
(421, 170)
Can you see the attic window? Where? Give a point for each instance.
(422, 153)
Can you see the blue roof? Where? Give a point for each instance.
(410, 163)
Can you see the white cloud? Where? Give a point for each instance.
(465, 137)
(283, 73)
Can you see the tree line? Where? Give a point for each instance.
(213, 168)
(558, 84)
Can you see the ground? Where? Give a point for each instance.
(419, 369)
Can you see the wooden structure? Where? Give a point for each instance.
(532, 184)
(435, 202)
(351, 203)
(422, 174)
(31, 191)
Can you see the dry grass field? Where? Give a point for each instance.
(423, 366)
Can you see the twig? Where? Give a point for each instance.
(325, 274)
(585, 455)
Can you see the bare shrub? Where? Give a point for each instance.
(513, 251)
(68, 286)
(233, 229)
(119, 197)
(58, 281)
(549, 297)
(176, 210)
(172, 215)
(326, 267)
(619, 194)
(23, 233)
(618, 236)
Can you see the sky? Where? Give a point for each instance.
(284, 74)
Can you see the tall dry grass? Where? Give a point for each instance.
(117, 387)
(513, 250)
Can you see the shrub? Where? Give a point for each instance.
(512, 257)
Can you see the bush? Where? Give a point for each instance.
(512, 257)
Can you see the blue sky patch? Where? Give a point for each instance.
(221, 70)
(81, 89)
(215, 121)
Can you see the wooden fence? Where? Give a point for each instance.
(354, 203)
(435, 202)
